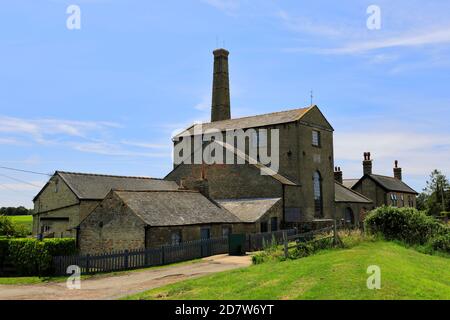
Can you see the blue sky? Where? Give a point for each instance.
(107, 98)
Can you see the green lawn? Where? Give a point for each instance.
(26, 221)
(330, 274)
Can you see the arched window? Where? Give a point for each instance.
(318, 207)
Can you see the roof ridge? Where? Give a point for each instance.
(106, 175)
(179, 190)
(259, 115)
(355, 192)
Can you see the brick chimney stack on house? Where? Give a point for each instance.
(220, 107)
(367, 164)
(397, 171)
(338, 174)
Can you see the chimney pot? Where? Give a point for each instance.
(367, 164)
(397, 171)
(338, 175)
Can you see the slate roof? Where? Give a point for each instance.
(392, 184)
(345, 194)
(252, 121)
(349, 183)
(96, 186)
(257, 164)
(175, 208)
(249, 210)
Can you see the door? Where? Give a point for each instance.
(205, 235)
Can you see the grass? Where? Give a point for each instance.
(40, 280)
(329, 274)
(26, 221)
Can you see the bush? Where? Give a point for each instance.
(10, 229)
(34, 257)
(441, 243)
(404, 224)
(6, 227)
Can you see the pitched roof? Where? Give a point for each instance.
(267, 171)
(345, 194)
(96, 186)
(174, 208)
(249, 210)
(391, 183)
(252, 121)
(349, 183)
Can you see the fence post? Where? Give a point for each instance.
(163, 255)
(87, 263)
(335, 232)
(126, 259)
(285, 240)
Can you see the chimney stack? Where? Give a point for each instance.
(338, 175)
(367, 164)
(397, 171)
(220, 107)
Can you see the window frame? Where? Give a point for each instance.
(319, 138)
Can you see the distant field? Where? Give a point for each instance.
(26, 221)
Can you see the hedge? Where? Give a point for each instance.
(409, 225)
(32, 256)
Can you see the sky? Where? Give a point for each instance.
(107, 97)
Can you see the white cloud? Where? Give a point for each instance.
(110, 149)
(145, 145)
(433, 37)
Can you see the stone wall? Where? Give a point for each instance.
(111, 226)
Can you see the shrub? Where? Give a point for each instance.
(441, 243)
(405, 224)
(34, 257)
(10, 229)
(7, 227)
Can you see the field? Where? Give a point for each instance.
(330, 274)
(26, 221)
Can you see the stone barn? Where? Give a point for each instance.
(68, 197)
(351, 206)
(145, 219)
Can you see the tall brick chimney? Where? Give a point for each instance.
(338, 174)
(397, 171)
(220, 107)
(367, 164)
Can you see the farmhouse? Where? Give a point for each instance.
(383, 190)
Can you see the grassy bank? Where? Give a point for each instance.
(330, 274)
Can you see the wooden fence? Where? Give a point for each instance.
(141, 258)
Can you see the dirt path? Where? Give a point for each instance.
(115, 287)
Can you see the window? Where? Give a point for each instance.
(316, 138)
(205, 233)
(317, 186)
(176, 237)
(394, 199)
(226, 231)
(264, 226)
(273, 224)
(56, 185)
(403, 200)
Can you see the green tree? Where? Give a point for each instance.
(436, 198)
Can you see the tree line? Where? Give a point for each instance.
(15, 211)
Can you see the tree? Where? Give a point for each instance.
(436, 198)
